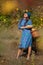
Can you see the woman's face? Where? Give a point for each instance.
(25, 15)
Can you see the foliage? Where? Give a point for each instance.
(15, 16)
(5, 20)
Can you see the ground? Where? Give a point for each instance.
(9, 39)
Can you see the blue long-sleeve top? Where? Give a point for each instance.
(21, 23)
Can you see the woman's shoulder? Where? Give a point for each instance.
(30, 21)
(22, 19)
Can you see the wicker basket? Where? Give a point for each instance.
(35, 33)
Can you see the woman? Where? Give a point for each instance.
(26, 39)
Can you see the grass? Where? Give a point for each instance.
(2, 47)
(9, 39)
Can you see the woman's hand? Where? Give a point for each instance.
(22, 27)
(28, 26)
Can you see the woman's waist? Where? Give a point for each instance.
(28, 29)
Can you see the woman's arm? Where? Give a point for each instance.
(28, 26)
(21, 23)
